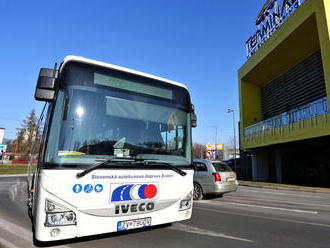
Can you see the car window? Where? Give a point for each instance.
(221, 167)
(200, 167)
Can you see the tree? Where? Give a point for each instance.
(229, 148)
(10, 145)
(28, 133)
(198, 150)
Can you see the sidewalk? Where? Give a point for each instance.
(277, 186)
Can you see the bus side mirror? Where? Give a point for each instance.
(193, 117)
(46, 85)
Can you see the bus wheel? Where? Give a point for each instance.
(198, 192)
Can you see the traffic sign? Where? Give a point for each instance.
(209, 154)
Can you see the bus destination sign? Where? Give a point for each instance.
(271, 17)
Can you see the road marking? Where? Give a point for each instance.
(15, 229)
(278, 201)
(191, 229)
(7, 244)
(260, 206)
(278, 193)
(267, 218)
(20, 232)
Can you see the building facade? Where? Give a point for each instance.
(284, 90)
(2, 133)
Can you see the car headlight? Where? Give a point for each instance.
(186, 202)
(57, 215)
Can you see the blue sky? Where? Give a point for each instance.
(198, 43)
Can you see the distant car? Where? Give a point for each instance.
(213, 177)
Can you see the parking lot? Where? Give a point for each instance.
(250, 217)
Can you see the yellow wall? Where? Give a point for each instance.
(305, 31)
(251, 100)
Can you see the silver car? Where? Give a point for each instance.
(213, 177)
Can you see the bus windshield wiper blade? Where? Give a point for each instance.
(168, 165)
(97, 165)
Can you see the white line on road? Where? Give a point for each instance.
(259, 206)
(7, 244)
(15, 229)
(23, 233)
(279, 201)
(309, 195)
(191, 229)
(263, 217)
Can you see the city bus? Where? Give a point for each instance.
(115, 153)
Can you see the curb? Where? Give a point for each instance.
(14, 175)
(288, 188)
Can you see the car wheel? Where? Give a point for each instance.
(198, 192)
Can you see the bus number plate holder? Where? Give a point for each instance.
(133, 224)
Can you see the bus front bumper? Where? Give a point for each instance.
(89, 224)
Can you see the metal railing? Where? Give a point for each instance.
(304, 112)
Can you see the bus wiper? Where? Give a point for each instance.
(168, 165)
(97, 165)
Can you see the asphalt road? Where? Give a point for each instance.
(250, 217)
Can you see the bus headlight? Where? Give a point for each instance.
(57, 215)
(186, 202)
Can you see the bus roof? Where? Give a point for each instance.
(116, 67)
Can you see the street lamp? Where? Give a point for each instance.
(233, 111)
(215, 144)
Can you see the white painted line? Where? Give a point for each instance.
(20, 232)
(7, 244)
(278, 201)
(16, 230)
(196, 230)
(263, 217)
(306, 194)
(260, 206)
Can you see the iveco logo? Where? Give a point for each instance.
(132, 208)
(130, 192)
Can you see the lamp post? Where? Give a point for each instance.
(215, 144)
(233, 111)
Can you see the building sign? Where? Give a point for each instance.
(273, 14)
(211, 147)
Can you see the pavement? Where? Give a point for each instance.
(250, 217)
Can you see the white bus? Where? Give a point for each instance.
(115, 153)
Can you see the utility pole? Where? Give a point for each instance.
(215, 144)
(233, 111)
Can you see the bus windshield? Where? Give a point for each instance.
(100, 113)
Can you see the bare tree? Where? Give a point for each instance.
(229, 149)
(199, 150)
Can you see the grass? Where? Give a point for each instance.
(277, 185)
(7, 169)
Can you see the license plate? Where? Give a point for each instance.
(230, 179)
(132, 224)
